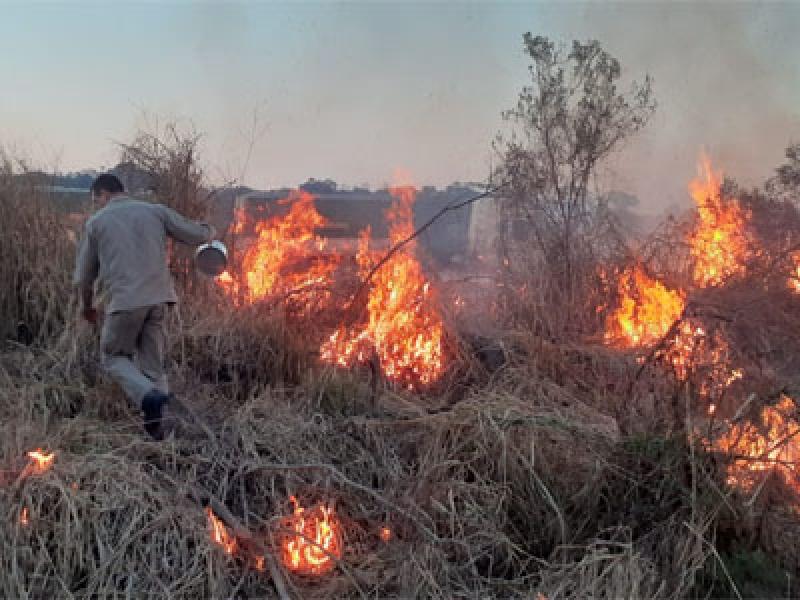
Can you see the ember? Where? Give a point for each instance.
(315, 543)
(219, 533)
(719, 244)
(794, 279)
(40, 461)
(260, 563)
(404, 327)
(386, 534)
(693, 350)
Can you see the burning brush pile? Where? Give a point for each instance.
(392, 321)
(721, 320)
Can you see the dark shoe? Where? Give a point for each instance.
(170, 417)
(153, 408)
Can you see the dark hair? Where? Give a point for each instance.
(107, 183)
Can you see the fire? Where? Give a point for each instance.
(794, 279)
(719, 244)
(646, 312)
(386, 534)
(774, 446)
(225, 279)
(24, 519)
(41, 461)
(695, 351)
(682, 350)
(260, 563)
(286, 258)
(404, 329)
(219, 533)
(315, 543)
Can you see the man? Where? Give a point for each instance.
(124, 245)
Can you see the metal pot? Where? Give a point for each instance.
(211, 258)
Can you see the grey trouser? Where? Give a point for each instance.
(132, 346)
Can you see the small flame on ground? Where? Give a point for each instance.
(794, 279)
(260, 563)
(225, 278)
(315, 543)
(386, 534)
(219, 533)
(41, 461)
(24, 519)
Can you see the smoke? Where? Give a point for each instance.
(724, 78)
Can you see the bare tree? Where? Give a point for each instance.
(163, 161)
(787, 176)
(570, 118)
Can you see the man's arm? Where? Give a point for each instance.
(86, 269)
(184, 230)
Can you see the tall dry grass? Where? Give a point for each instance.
(550, 473)
(35, 268)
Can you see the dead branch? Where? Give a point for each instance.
(397, 247)
(243, 534)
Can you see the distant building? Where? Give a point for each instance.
(350, 212)
(483, 229)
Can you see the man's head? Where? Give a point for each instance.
(105, 187)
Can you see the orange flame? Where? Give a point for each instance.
(775, 447)
(794, 279)
(386, 534)
(719, 246)
(260, 563)
(24, 520)
(645, 315)
(225, 279)
(285, 258)
(719, 243)
(404, 328)
(646, 312)
(315, 543)
(41, 461)
(219, 533)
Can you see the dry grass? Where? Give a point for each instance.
(556, 473)
(477, 496)
(36, 264)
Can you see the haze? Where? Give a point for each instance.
(354, 91)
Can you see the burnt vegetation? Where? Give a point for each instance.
(547, 459)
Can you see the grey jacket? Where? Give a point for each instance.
(124, 245)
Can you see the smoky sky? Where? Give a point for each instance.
(726, 79)
(353, 91)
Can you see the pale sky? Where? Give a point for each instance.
(352, 91)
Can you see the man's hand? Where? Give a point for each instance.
(90, 314)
